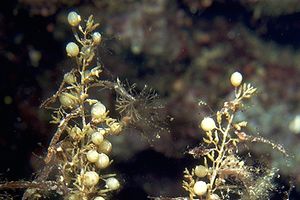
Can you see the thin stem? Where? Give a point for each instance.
(221, 153)
(83, 92)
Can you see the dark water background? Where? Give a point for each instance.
(184, 49)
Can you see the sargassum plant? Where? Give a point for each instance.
(79, 150)
(78, 154)
(223, 174)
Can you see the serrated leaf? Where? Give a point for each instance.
(94, 27)
(80, 28)
(91, 101)
(89, 23)
(77, 38)
(206, 141)
(237, 127)
(210, 157)
(243, 124)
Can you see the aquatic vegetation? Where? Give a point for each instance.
(200, 50)
(78, 156)
(222, 173)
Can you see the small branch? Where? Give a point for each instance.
(61, 127)
(52, 99)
